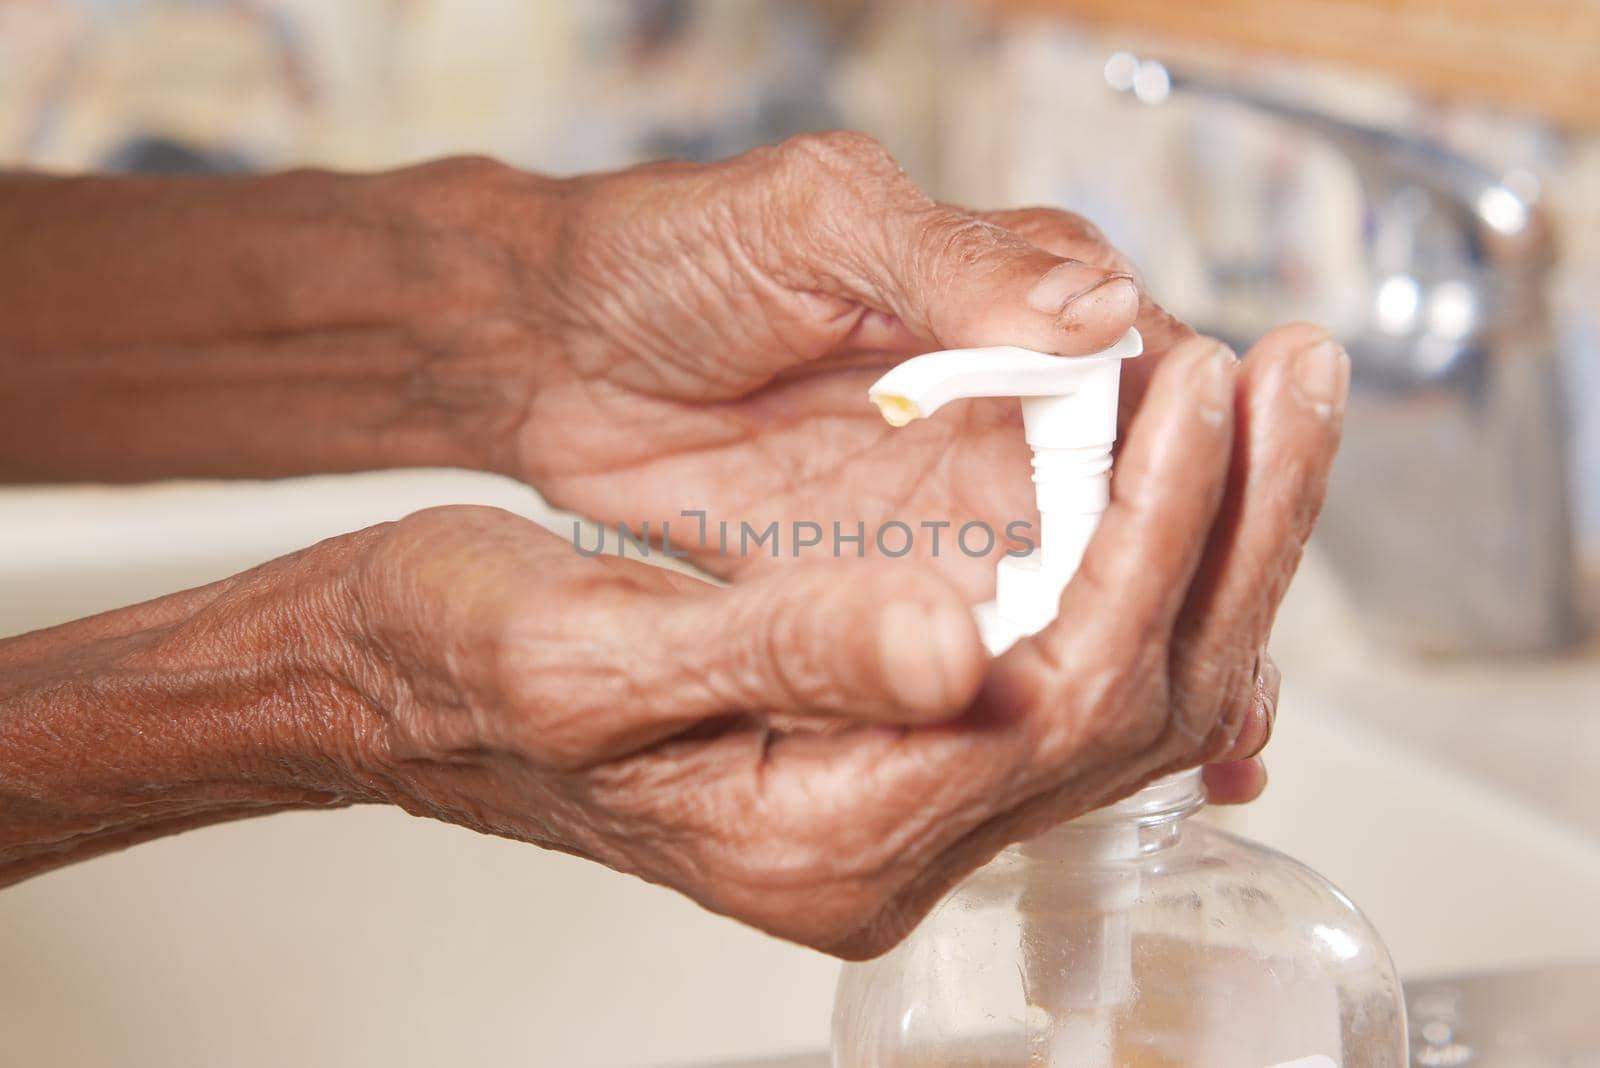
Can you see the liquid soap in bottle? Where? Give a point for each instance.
(1133, 936)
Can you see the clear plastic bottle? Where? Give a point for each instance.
(1131, 937)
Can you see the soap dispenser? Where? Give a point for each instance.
(1133, 936)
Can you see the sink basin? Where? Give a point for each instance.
(1530, 1018)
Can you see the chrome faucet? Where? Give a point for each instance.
(1449, 516)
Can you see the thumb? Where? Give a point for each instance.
(965, 282)
(868, 640)
(949, 276)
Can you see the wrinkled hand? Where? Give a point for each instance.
(823, 749)
(707, 335)
(718, 326)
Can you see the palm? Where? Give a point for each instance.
(805, 447)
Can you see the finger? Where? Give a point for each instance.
(868, 640)
(1293, 385)
(1256, 718)
(989, 779)
(949, 276)
(983, 783)
(968, 283)
(1162, 332)
(1291, 395)
(881, 812)
(1063, 233)
(1164, 498)
(606, 656)
(1067, 234)
(1236, 774)
(896, 819)
(1236, 782)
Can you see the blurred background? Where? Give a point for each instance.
(1423, 177)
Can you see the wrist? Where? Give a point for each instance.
(475, 292)
(298, 677)
(205, 706)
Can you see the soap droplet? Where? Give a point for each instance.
(897, 411)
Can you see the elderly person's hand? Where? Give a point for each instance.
(701, 338)
(822, 750)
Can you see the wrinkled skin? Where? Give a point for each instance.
(738, 313)
(823, 748)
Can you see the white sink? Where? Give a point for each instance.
(370, 937)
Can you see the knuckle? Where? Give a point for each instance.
(1271, 683)
(1198, 705)
(471, 170)
(1116, 708)
(843, 153)
(1298, 335)
(1212, 704)
(940, 258)
(1135, 707)
(960, 242)
(791, 666)
(1086, 231)
(1098, 253)
(845, 186)
(771, 664)
(857, 175)
(1039, 221)
(1132, 706)
(561, 701)
(1065, 233)
(426, 524)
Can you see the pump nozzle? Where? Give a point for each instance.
(1069, 415)
(925, 384)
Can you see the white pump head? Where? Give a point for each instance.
(1069, 417)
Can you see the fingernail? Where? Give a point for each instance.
(1066, 282)
(918, 647)
(1320, 376)
(1215, 384)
